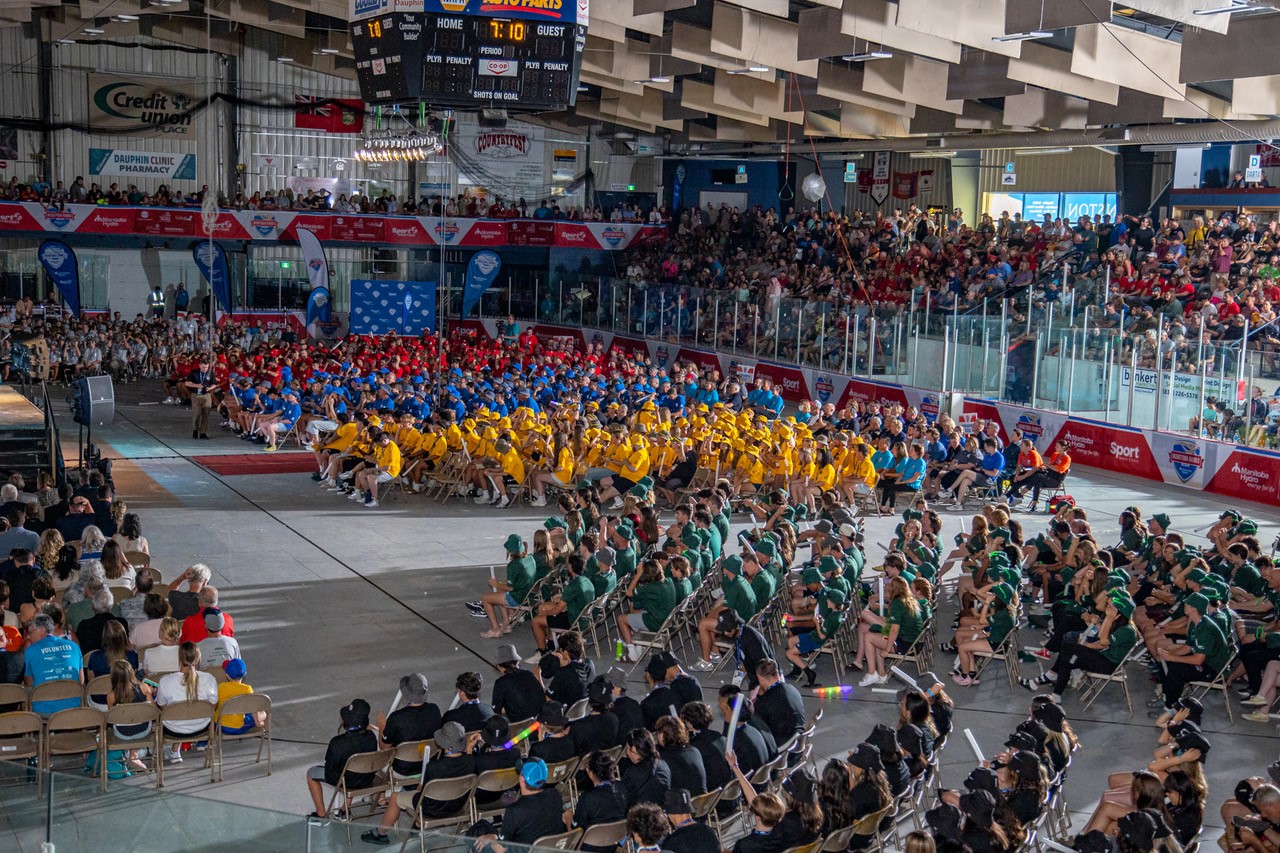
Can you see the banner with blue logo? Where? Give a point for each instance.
(318, 306)
(481, 273)
(59, 262)
(212, 261)
(403, 307)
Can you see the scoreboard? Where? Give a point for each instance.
(470, 54)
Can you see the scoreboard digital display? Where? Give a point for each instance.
(470, 54)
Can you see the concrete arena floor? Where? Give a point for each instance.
(333, 601)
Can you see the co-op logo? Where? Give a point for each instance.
(1186, 459)
(59, 218)
(1030, 424)
(613, 236)
(824, 387)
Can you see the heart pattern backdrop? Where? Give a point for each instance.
(403, 307)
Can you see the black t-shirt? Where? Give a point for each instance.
(184, 603)
(89, 631)
(1026, 805)
(941, 713)
(343, 747)
(518, 695)
(979, 841)
(758, 842)
(553, 750)
(645, 783)
(20, 579)
(446, 767)
(687, 770)
(864, 799)
(470, 715)
(594, 731)
(751, 747)
(410, 723)
(692, 837)
(791, 831)
(687, 689)
(781, 709)
(629, 714)
(605, 803)
(711, 745)
(533, 816)
(658, 704)
(752, 649)
(569, 684)
(899, 776)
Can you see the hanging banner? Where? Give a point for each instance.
(481, 272)
(142, 106)
(904, 184)
(332, 115)
(211, 258)
(318, 306)
(925, 185)
(880, 177)
(59, 261)
(403, 307)
(508, 162)
(313, 256)
(142, 164)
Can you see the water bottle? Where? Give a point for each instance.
(619, 651)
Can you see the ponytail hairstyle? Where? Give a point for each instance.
(189, 661)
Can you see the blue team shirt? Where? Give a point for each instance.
(52, 659)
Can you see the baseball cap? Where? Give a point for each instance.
(678, 801)
(234, 668)
(355, 715)
(729, 621)
(534, 772)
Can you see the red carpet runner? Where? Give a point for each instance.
(280, 462)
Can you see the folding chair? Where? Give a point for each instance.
(560, 841)
(153, 573)
(57, 691)
(15, 694)
(138, 559)
(702, 479)
(660, 639)
(441, 790)
(414, 751)
(75, 731)
(838, 841)
(578, 709)
(134, 714)
(604, 835)
(493, 782)
(20, 739)
(1007, 652)
(98, 686)
(1201, 689)
(185, 712)
(374, 763)
(561, 774)
(919, 653)
(245, 704)
(811, 847)
(1095, 682)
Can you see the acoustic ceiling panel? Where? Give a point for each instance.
(1257, 95)
(912, 79)
(972, 22)
(1050, 68)
(843, 83)
(1132, 59)
(1021, 16)
(981, 75)
(875, 22)
(1042, 108)
(1184, 11)
(1246, 50)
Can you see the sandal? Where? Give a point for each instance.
(491, 635)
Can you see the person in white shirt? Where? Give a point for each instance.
(189, 684)
(163, 659)
(217, 648)
(145, 633)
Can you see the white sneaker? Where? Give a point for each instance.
(505, 502)
(168, 401)
(1254, 700)
(538, 500)
(329, 484)
(460, 490)
(483, 498)
(355, 496)
(370, 504)
(703, 666)
(884, 679)
(869, 679)
(345, 476)
(617, 503)
(418, 488)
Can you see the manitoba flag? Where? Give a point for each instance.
(332, 115)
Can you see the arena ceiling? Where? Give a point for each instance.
(769, 71)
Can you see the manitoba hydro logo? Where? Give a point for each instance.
(1186, 459)
(140, 105)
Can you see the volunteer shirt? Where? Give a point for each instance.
(657, 599)
(53, 659)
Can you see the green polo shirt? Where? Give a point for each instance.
(577, 594)
(1206, 638)
(1122, 640)
(739, 597)
(657, 599)
(522, 574)
(763, 586)
(909, 624)
(625, 564)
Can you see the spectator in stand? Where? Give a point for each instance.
(186, 602)
(354, 739)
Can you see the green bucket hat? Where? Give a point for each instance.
(1162, 519)
(1003, 592)
(1197, 600)
(1197, 576)
(514, 544)
(766, 547)
(1123, 605)
(554, 523)
(689, 537)
(828, 564)
(810, 575)
(732, 564)
(834, 598)
(1000, 533)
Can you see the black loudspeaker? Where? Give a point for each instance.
(94, 401)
